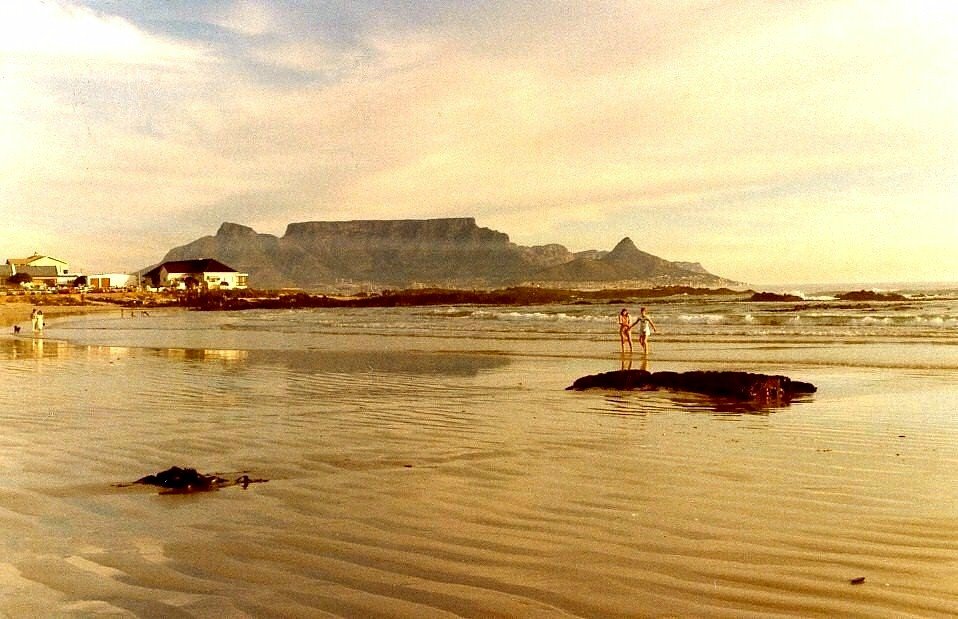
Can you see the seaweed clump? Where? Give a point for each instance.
(176, 480)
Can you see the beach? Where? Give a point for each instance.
(429, 462)
(19, 312)
(16, 310)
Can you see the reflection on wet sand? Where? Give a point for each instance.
(641, 404)
(300, 361)
(204, 354)
(31, 347)
(346, 362)
(388, 362)
(626, 362)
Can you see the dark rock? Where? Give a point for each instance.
(870, 295)
(744, 386)
(246, 480)
(185, 480)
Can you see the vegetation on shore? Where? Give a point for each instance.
(222, 300)
(237, 300)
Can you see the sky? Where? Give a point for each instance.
(805, 141)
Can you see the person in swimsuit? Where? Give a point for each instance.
(646, 328)
(625, 330)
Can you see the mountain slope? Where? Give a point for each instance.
(627, 263)
(452, 252)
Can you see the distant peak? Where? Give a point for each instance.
(231, 229)
(624, 250)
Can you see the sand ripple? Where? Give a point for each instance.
(483, 491)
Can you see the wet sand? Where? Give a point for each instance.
(18, 312)
(411, 480)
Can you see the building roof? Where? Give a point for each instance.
(41, 271)
(205, 265)
(34, 257)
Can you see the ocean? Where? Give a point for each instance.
(428, 462)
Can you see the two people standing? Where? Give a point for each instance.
(646, 328)
(36, 319)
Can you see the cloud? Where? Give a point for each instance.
(248, 18)
(84, 97)
(56, 31)
(702, 125)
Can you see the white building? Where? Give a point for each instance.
(46, 271)
(207, 273)
(37, 260)
(106, 281)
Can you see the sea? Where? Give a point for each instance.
(429, 462)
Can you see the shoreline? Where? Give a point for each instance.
(18, 313)
(15, 310)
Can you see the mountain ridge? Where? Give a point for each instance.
(453, 252)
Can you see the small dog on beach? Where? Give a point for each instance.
(16, 329)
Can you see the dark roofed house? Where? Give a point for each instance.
(6, 272)
(41, 275)
(205, 273)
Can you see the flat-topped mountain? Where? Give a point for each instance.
(452, 252)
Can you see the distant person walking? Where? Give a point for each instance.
(625, 330)
(646, 328)
(37, 318)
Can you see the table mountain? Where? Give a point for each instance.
(452, 252)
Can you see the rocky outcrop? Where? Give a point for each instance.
(744, 386)
(187, 480)
(451, 252)
(871, 295)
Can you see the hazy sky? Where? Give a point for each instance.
(800, 141)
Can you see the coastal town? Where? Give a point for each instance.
(39, 280)
(41, 273)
